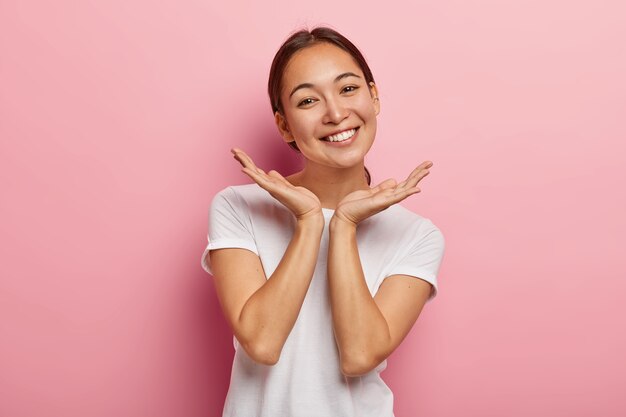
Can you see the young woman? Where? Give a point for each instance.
(319, 274)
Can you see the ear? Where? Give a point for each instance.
(283, 127)
(375, 97)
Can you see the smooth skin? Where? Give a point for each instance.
(262, 310)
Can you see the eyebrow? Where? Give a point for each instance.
(338, 78)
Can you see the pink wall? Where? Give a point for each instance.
(116, 121)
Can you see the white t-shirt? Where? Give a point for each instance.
(307, 380)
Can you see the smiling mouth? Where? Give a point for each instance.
(342, 136)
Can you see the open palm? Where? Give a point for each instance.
(299, 200)
(361, 204)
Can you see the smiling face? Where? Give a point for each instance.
(329, 110)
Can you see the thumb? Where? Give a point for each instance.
(388, 183)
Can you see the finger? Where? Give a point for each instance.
(398, 196)
(275, 174)
(237, 153)
(272, 177)
(272, 185)
(256, 177)
(426, 164)
(239, 156)
(388, 183)
(410, 191)
(244, 159)
(388, 194)
(420, 168)
(415, 177)
(282, 180)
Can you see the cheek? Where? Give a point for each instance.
(302, 125)
(365, 105)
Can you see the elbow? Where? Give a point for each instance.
(262, 353)
(357, 365)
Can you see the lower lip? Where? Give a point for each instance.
(345, 142)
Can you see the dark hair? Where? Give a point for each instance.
(303, 39)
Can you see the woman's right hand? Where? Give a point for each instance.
(299, 200)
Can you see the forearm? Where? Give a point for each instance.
(271, 312)
(361, 330)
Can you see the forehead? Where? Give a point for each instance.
(317, 64)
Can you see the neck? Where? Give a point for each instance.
(329, 184)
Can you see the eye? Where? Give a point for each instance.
(349, 88)
(306, 101)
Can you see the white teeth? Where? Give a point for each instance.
(340, 137)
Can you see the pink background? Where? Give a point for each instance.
(116, 121)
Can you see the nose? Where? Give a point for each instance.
(335, 111)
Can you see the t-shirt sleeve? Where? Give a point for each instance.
(229, 225)
(423, 258)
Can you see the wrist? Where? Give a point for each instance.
(340, 224)
(311, 221)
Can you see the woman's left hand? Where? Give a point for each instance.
(359, 205)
